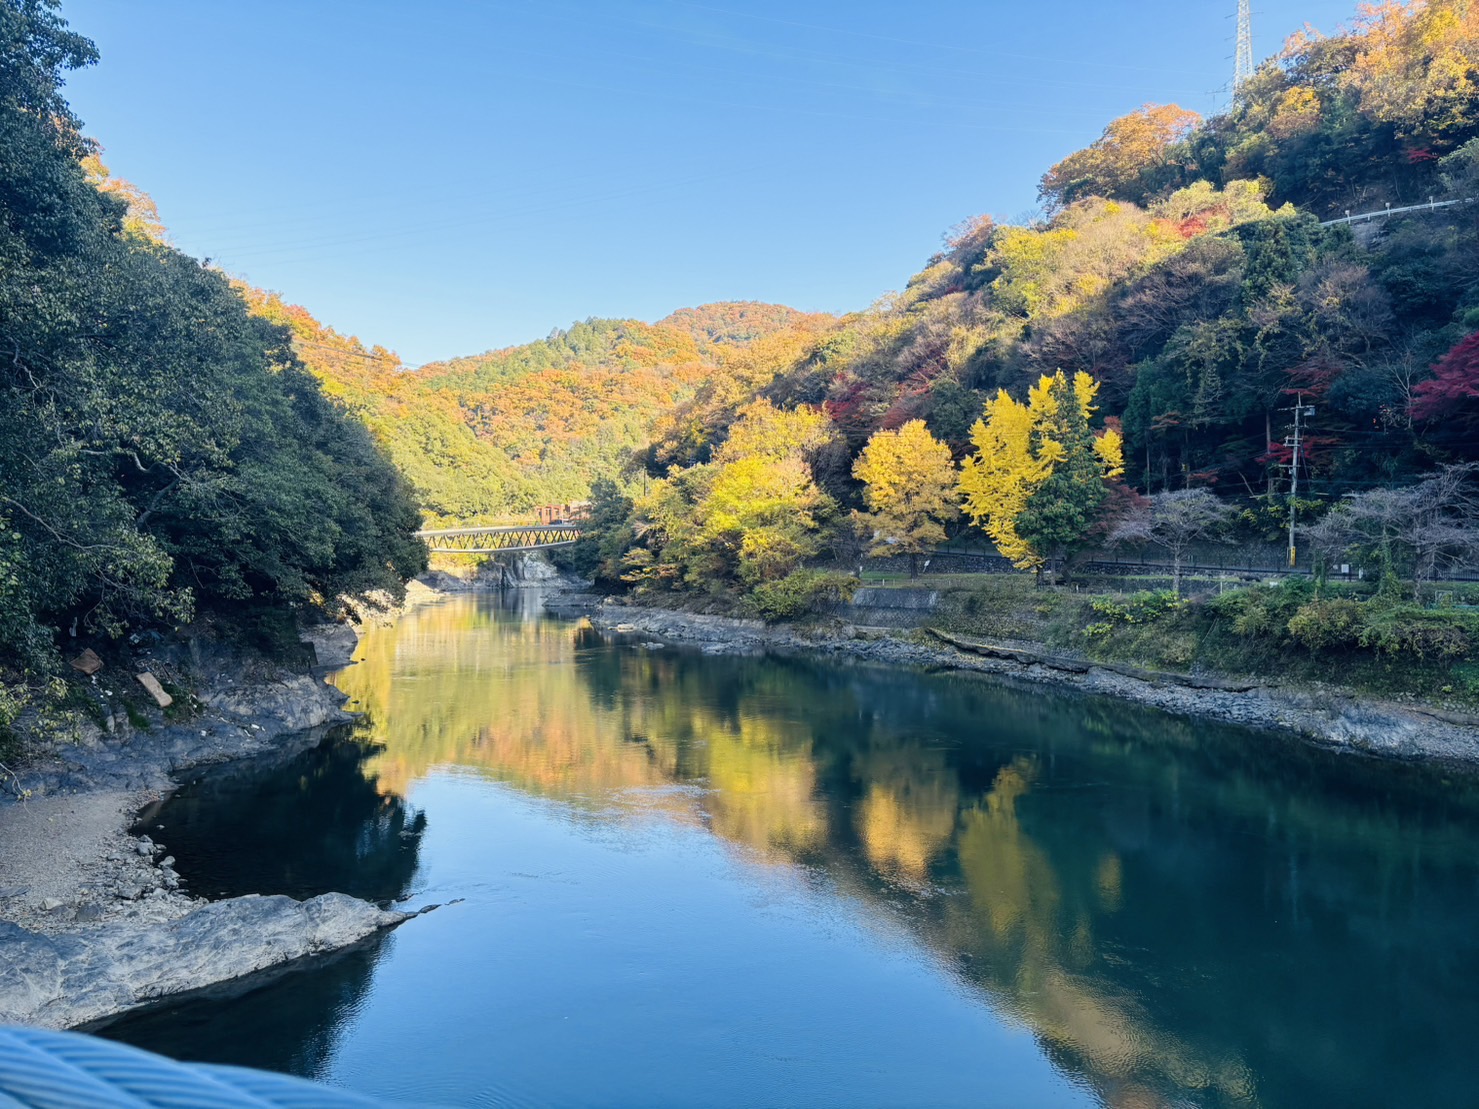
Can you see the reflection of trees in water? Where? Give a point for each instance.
(312, 825)
(523, 703)
(1180, 912)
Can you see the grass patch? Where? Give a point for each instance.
(1345, 636)
(81, 699)
(136, 715)
(183, 704)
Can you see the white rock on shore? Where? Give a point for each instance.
(61, 981)
(95, 920)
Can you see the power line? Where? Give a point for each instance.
(389, 359)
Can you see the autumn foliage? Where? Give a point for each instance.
(909, 488)
(1036, 481)
(1131, 147)
(1453, 392)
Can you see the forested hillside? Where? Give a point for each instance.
(1181, 264)
(173, 441)
(495, 435)
(1125, 369)
(163, 453)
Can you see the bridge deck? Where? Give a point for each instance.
(497, 540)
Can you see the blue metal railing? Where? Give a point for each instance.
(67, 1070)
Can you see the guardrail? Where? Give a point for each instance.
(1383, 213)
(947, 560)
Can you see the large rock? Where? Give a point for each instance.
(333, 644)
(293, 703)
(65, 980)
(532, 568)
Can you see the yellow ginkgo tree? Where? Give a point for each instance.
(1038, 478)
(909, 486)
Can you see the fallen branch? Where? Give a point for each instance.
(10, 778)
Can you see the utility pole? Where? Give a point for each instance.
(1300, 410)
(1243, 68)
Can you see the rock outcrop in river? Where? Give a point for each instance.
(61, 981)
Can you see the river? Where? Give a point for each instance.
(691, 880)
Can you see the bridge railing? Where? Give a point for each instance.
(494, 540)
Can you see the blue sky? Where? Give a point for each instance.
(453, 175)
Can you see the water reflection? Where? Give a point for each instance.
(1182, 914)
(301, 826)
(317, 822)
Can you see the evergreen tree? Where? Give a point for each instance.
(1056, 519)
(162, 452)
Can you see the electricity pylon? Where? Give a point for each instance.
(1244, 66)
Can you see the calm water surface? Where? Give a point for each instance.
(689, 880)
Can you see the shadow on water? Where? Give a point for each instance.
(313, 824)
(1181, 913)
(298, 1037)
(303, 826)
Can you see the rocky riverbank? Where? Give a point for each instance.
(94, 919)
(76, 976)
(1330, 718)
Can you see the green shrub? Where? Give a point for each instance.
(1264, 610)
(1142, 608)
(1389, 629)
(801, 592)
(1413, 632)
(1328, 624)
(13, 700)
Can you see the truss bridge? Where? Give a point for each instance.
(524, 537)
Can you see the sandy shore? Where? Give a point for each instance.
(69, 860)
(93, 917)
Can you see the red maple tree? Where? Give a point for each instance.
(1453, 391)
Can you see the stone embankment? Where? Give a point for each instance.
(1329, 717)
(94, 919)
(518, 570)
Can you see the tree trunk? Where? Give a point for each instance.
(913, 564)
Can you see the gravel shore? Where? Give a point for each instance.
(93, 917)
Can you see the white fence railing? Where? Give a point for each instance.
(1383, 213)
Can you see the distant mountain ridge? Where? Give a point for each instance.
(495, 434)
